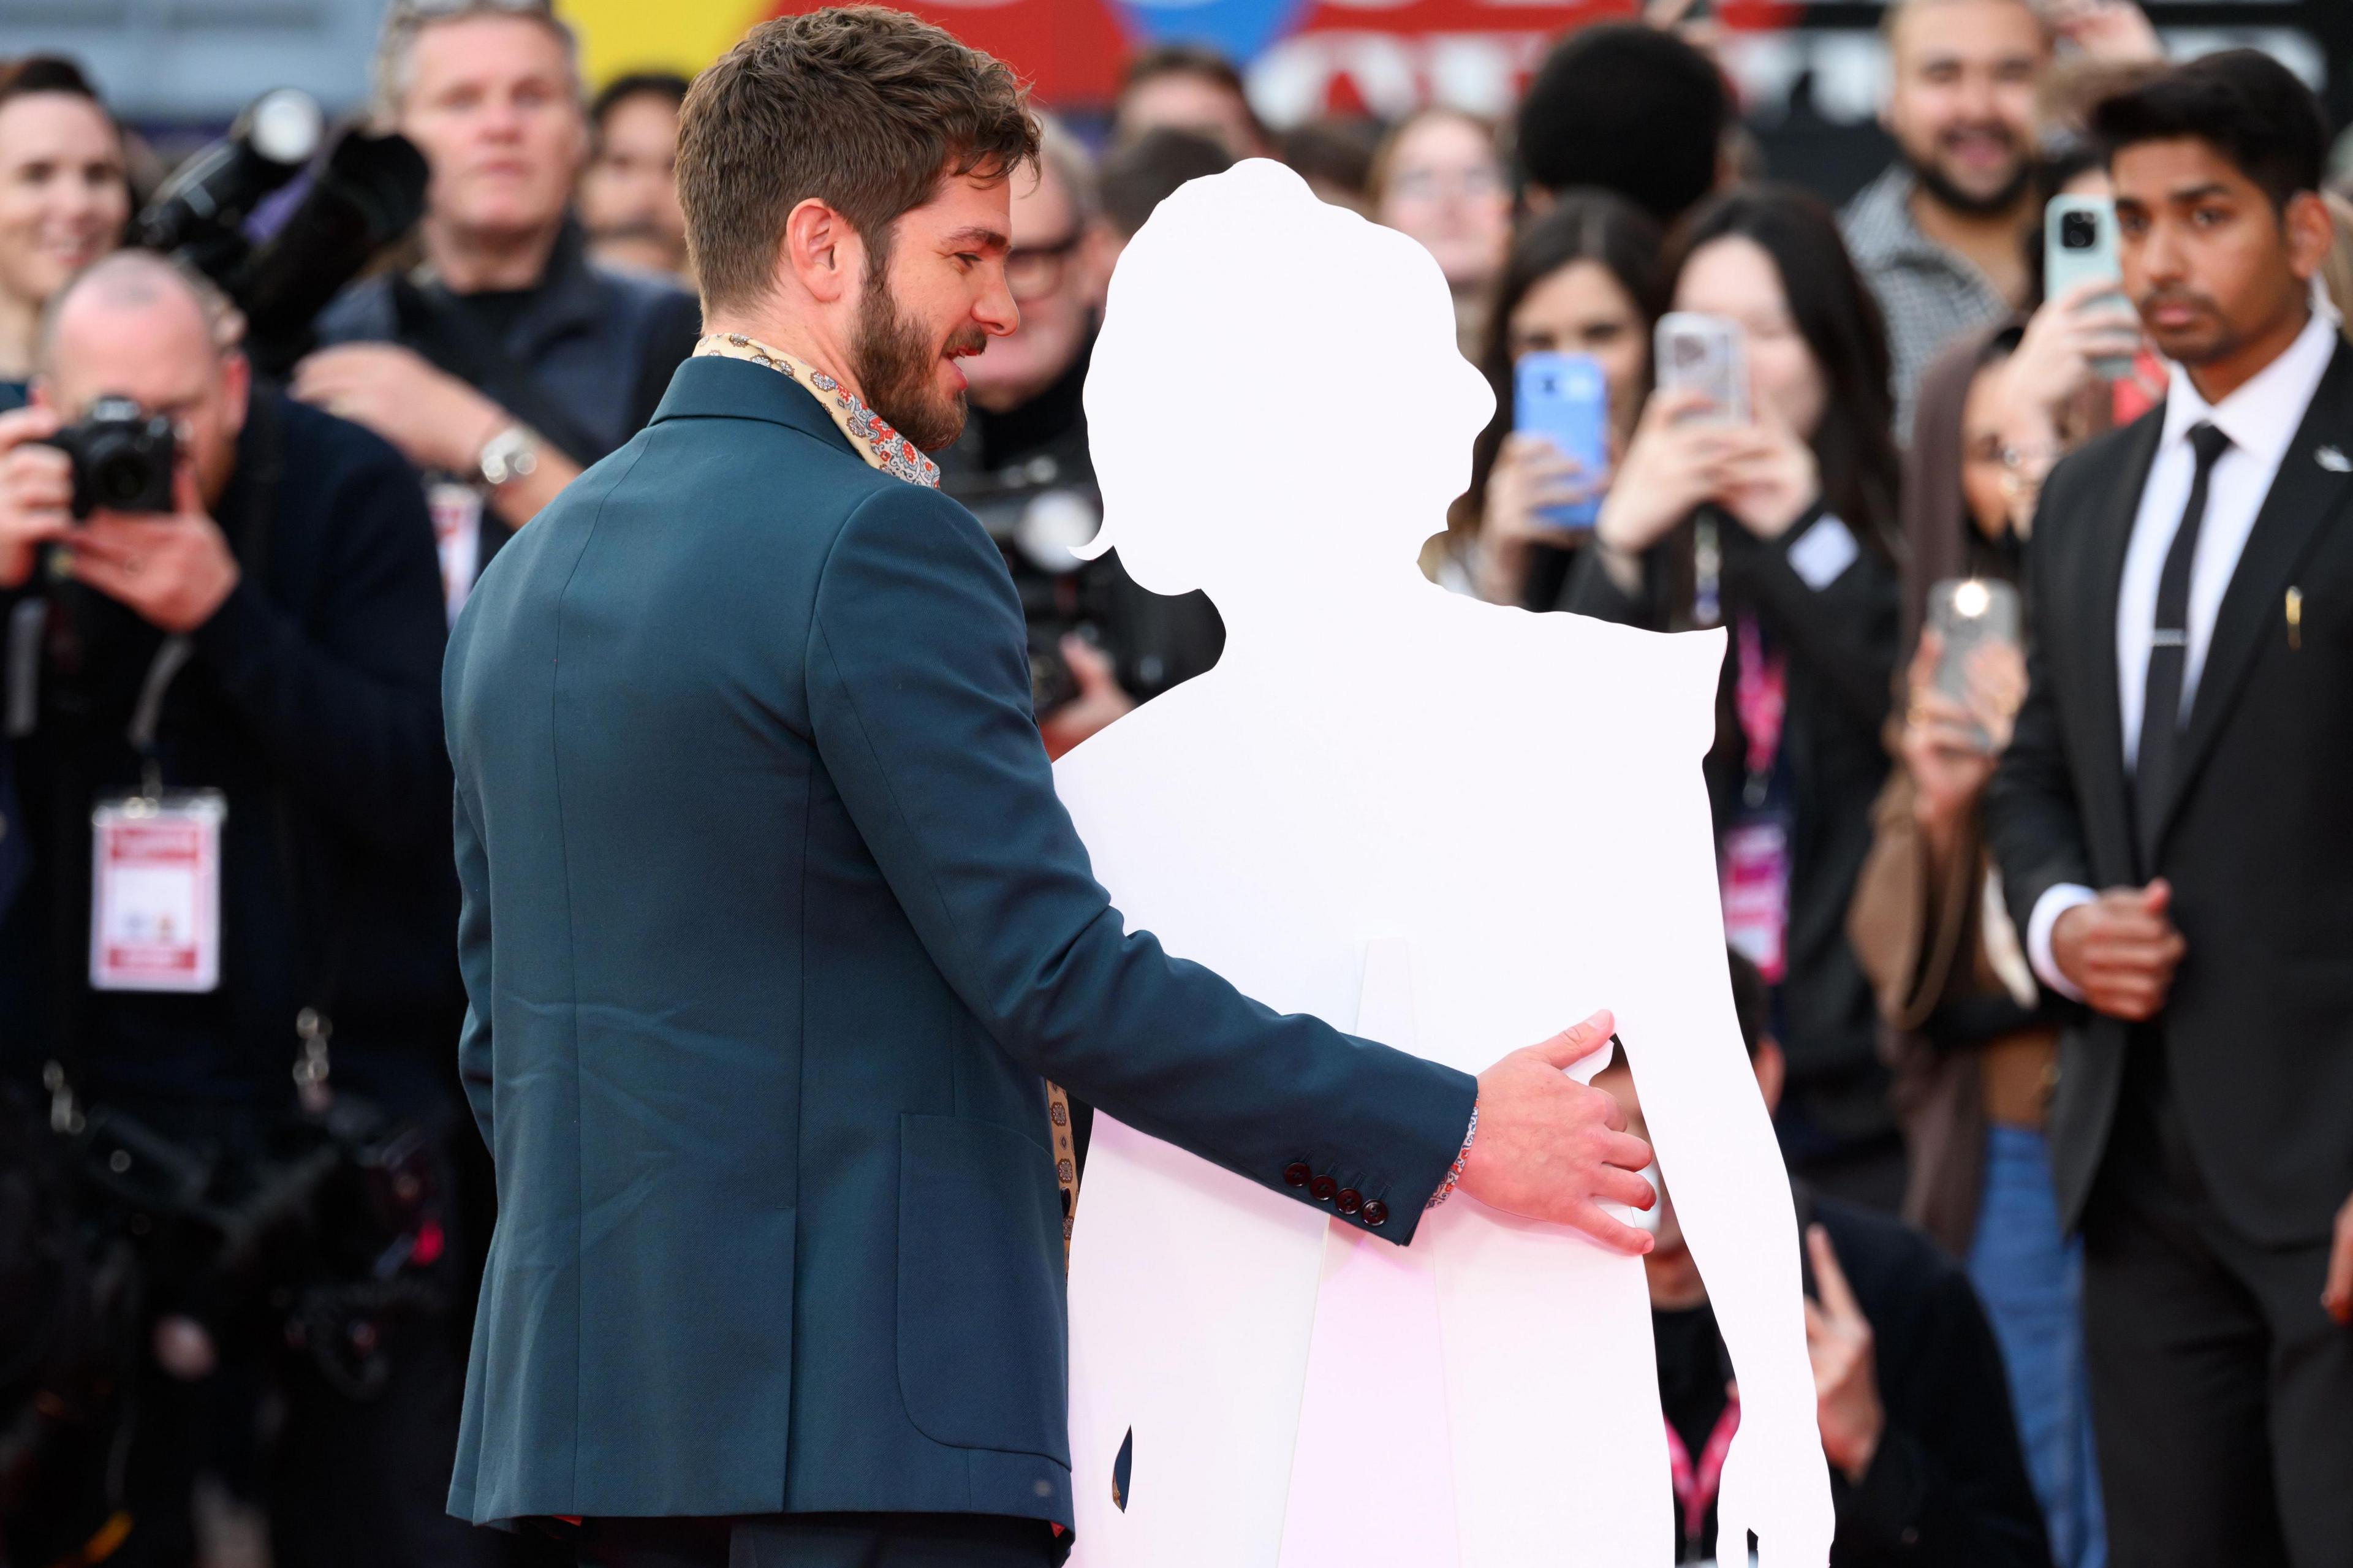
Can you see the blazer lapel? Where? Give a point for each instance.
(2106, 803)
(2304, 498)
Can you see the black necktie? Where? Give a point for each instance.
(2169, 656)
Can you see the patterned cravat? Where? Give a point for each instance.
(880, 445)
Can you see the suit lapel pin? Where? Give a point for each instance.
(2334, 459)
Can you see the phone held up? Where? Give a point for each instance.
(1708, 355)
(1565, 398)
(2079, 245)
(1968, 614)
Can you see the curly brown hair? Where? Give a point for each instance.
(861, 107)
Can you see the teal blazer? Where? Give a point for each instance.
(772, 925)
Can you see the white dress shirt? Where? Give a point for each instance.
(2261, 418)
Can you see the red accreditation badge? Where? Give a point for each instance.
(155, 917)
(1757, 891)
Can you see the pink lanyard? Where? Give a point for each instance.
(1763, 698)
(1695, 1489)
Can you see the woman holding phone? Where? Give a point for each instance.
(1774, 522)
(1582, 278)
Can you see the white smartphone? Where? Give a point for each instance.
(1707, 354)
(2079, 245)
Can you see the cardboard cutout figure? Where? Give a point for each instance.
(1448, 826)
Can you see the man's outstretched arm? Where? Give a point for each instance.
(919, 696)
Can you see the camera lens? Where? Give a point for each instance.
(119, 476)
(2078, 231)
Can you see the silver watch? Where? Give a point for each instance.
(512, 454)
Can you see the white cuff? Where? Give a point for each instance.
(2055, 901)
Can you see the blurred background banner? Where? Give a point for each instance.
(1805, 72)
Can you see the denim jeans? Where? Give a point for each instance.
(2031, 1281)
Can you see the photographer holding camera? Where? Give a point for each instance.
(224, 637)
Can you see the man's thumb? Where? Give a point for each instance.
(1574, 1044)
(2157, 896)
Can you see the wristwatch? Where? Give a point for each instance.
(512, 454)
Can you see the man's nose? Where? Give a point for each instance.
(501, 121)
(996, 311)
(2162, 258)
(1979, 100)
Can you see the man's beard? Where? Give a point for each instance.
(1945, 194)
(895, 363)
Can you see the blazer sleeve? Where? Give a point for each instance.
(2032, 824)
(920, 708)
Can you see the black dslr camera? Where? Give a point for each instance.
(123, 458)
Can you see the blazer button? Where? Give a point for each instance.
(1323, 1189)
(1377, 1214)
(1349, 1201)
(1295, 1174)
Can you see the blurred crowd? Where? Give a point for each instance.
(241, 1214)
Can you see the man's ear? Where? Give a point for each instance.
(1098, 254)
(236, 387)
(1772, 1070)
(822, 252)
(2311, 232)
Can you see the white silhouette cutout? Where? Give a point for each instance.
(1451, 827)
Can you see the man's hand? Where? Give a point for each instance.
(436, 421)
(2337, 1294)
(2120, 950)
(36, 491)
(1100, 701)
(1550, 1148)
(2115, 31)
(1846, 1386)
(172, 571)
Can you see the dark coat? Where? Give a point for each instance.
(310, 702)
(2257, 1031)
(1947, 1487)
(772, 924)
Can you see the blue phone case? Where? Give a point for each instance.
(1565, 398)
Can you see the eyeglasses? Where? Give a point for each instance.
(1034, 271)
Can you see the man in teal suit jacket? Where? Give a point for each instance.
(773, 924)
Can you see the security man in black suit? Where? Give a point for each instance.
(2184, 748)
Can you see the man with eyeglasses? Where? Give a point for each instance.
(1098, 644)
(509, 360)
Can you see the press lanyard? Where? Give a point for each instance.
(1763, 698)
(162, 670)
(1696, 1485)
(1707, 571)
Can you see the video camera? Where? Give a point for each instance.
(364, 193)
(319, 1240)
